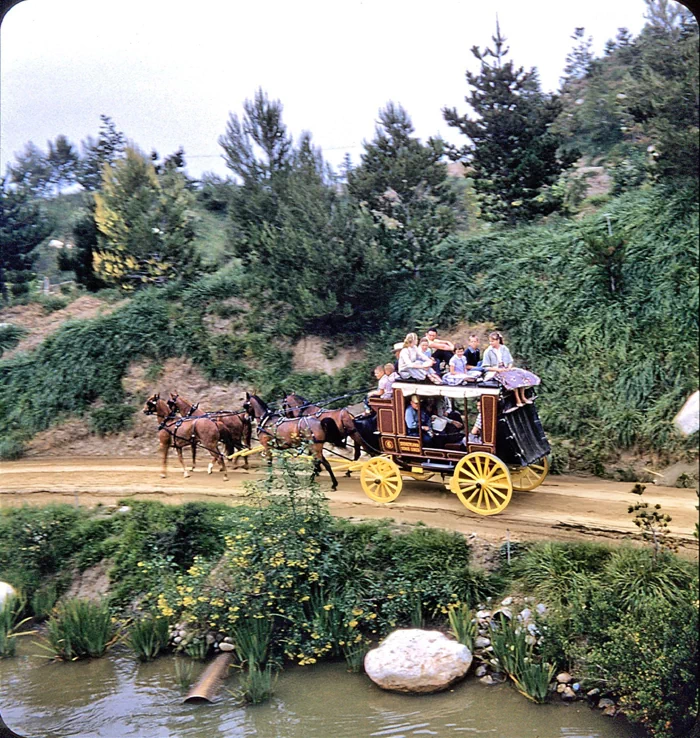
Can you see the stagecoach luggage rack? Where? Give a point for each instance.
(520, 438)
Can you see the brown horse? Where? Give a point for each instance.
(235, 428)
(294, 406)
(182, 432)
(277, 432)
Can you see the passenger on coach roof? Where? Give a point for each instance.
(413, 364)
(442, 349)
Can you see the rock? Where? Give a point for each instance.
(414, 660)
(488, 680)
(605, 703)
(568, 694)
(177, 640)
(564, 677)
(210, 639)
(507, 601)
(482, 670)
(226, 647)
(482, 642)
(576, 687)
(483, 614)
(593, 693)
(561, 688)
(6, 591)
(610, 711)
(525, 614)
(541, 609)
(504, 612)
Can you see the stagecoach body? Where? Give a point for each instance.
(511, 452)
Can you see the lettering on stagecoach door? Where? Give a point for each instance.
(409, 445)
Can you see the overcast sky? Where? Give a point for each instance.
(169, 72)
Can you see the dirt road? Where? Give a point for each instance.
(563, 508)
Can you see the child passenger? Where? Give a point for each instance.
(386, 383)
(498, 359)
(458, 367)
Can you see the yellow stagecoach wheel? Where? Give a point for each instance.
(526, 478)
(482, 483)
(381, 479)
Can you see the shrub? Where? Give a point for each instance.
(10, 336)
(650, 660)
(112, 419)
(53, 303)
(11, 449)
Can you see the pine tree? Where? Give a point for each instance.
(107, 149)
(23, 227)
(402, 183)
(661, 92)
(80, 259)
(145, 224)
(31, 171)
(309, 255)
(63, 161)
(513, 154)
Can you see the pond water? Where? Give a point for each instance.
(116, 697)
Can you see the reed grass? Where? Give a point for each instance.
(184, 673)
(251, 637)
(10, 622)
(79, 629)
(464, 625)
(514, 648)
(256, 683)
(148, 637)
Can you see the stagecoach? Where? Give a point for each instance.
(510, 454)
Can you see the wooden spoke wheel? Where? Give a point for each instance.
(482, 483)
(526, 478)
(381, 479)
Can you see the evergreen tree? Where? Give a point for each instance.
(23, 227)
(80, 259)
(32, 171)
(107, 149)
(513, 152)
(662, 90)
(145, 224)
(63, 161)
(308, 253)
(402, 183)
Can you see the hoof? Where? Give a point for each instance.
(185, 475)
(210, 468)
(162, 476)
(191, 468)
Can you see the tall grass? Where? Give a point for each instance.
(514, 647)
(10, 624)
(148, 637)
(79, 629)
(464, 625)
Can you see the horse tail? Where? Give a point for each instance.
(333, 435)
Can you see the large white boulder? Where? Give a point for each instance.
(6, 590)
(417, 661)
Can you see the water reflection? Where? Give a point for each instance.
(119, 698)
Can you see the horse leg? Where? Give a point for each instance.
(194, 455)
(321, 460)
(164, 448)
(329, 469)
(182, 461)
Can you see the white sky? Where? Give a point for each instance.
(169, 72)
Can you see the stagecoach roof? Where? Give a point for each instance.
(443, 390)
